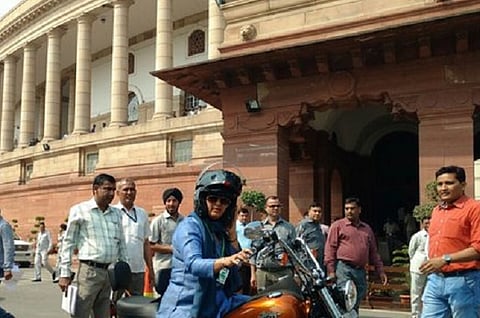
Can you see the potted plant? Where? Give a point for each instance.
(401, 259)
(254, 199)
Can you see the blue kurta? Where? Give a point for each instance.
(193, 290)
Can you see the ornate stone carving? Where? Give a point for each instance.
(341, 84)
(248, 32)
(287, 118)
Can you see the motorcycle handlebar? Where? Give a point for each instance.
(270, 237)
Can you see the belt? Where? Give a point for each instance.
(95, 264)
(352, 265)
(457, 273)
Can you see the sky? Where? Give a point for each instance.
(6, 5)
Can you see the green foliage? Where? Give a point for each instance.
(254, 199)
(39, 218)
(14, 221)
(400, 256)
(401, 259)
(425, 209)
(34, 231)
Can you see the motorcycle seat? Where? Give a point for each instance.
(137, 307)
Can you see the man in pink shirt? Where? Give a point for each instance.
(350, 247)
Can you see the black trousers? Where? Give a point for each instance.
(245, 274)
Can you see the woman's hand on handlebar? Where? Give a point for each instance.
(232, 260)
(238, 258)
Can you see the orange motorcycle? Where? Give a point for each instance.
(309, 293)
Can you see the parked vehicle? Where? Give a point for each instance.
(24, 253)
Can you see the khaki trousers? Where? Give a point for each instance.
(93, 292)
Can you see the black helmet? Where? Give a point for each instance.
(222, 183)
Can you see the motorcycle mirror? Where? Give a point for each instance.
(253, 230)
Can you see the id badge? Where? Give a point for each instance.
(223, 275)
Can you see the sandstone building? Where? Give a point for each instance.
(361, 97)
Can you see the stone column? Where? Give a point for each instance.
(27, 110)
(1, 93)
(163, 59)
(445, 133)
(53, 85)
(83, 81)
(119, 93)
(71, 104)
(247, 138)
(216, 27)
(41, 113)
(8, 109)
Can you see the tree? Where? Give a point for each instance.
(425, 209)
(254, 199)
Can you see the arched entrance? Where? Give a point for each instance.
(395, 178)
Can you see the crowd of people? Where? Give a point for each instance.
(190, 258)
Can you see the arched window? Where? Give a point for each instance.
(131, 63)
(196, 42)
(132, 107)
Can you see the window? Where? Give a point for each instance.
(131, 63)
(193, 104)
(26, 170)
(91, 160)
(182, 150)
(196, 42)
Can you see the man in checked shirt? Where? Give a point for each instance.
(95, 228)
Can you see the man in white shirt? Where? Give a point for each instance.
(243, 217)
(43, 248)
(162, 228)
(136, 229)
(418, 255)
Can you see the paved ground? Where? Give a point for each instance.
(42, 299)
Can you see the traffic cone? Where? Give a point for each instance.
(147, 287)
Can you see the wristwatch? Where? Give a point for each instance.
(447, 258)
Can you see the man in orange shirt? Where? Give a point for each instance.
(453, 286)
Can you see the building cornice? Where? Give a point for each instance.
(42, 16)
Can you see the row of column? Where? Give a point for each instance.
(80, 85)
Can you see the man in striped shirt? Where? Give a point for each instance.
(95, 228)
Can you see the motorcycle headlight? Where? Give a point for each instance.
(350, 295)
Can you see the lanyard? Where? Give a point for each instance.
(131, 217)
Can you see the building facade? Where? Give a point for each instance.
(310, 100)
(365, 98)
(78, 99)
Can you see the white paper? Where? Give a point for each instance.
(11, 284)
(70, 299)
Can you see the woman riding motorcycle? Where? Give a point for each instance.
(204, 275)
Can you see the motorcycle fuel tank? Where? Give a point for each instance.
(272, 305)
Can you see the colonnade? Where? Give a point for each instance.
(79, 107)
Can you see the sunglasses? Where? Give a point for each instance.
(273, 206)
(214, 199)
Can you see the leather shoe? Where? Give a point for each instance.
(36, 280)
